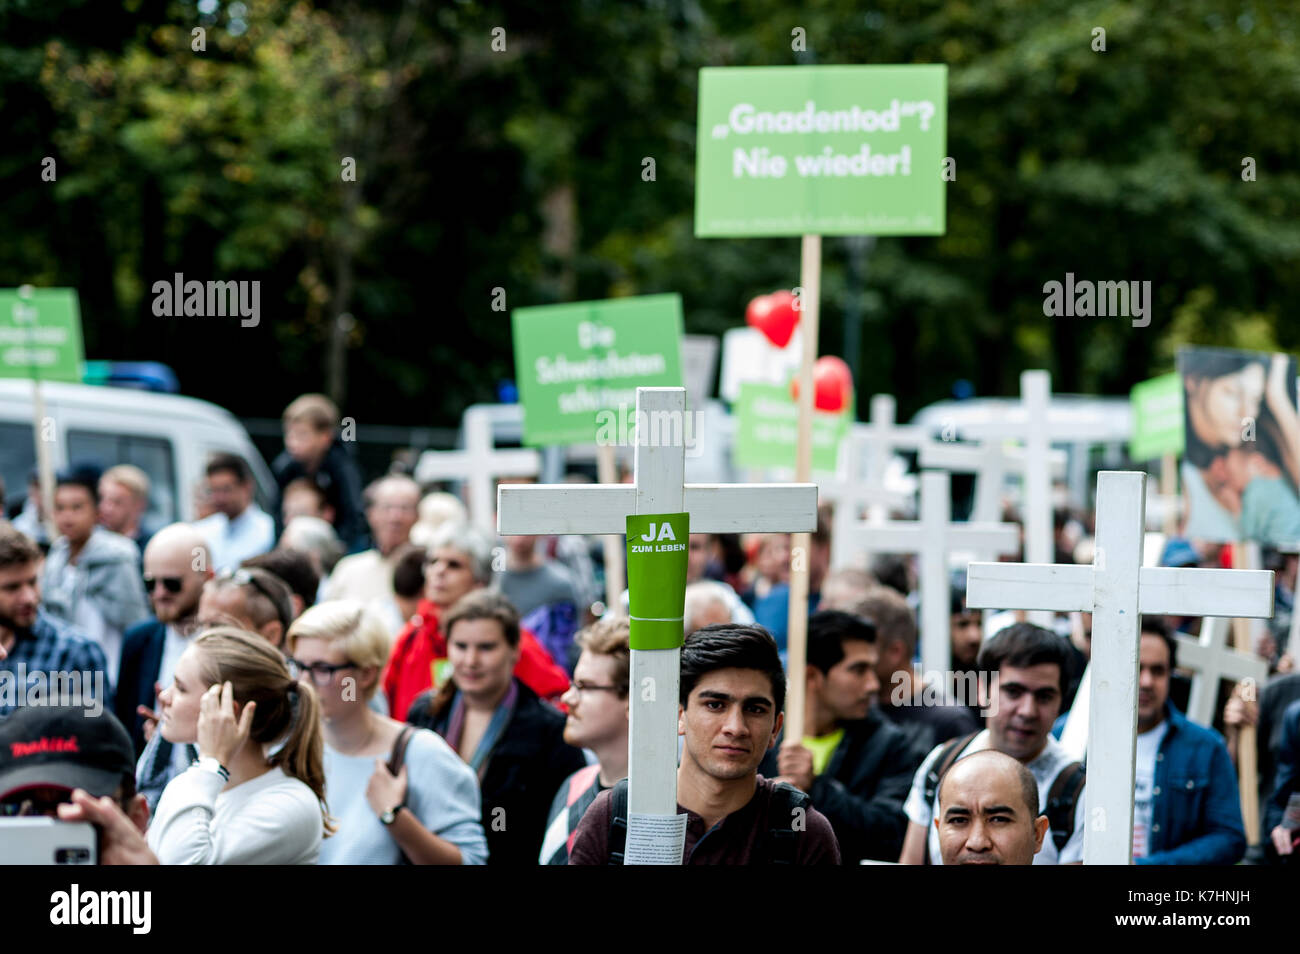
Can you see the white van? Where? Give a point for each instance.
(167, 436)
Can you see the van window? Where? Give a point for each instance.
(17, 458)
(153, 455)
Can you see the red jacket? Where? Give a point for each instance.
(422, 646)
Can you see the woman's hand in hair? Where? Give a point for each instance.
(221, 734)
(385, 791)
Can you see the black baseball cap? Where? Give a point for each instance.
(65, 747)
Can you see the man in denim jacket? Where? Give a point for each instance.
(1186, 809)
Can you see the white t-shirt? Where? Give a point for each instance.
(367, 577)
(1148, 745)
(1045, 768)
(174, 646)
(274, 819)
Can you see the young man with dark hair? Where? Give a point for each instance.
(33, 641)
(732, 692)
(1026, 668)
(239, 529)
(313, 450)
(1186, 806)
(512, 740)
(91, 578)
(856, 765)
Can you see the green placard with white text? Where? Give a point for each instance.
(656, 578)
(828, 150)
(578, 363)
(767, 427)
(1157, 417)
(40, 334)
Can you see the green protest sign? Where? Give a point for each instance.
(656, 578)
(577, 364)
(830, 150)
(767, 428)
(1157, 407)
(40, 334)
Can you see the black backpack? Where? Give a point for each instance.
(1062, 798)
(777, 847)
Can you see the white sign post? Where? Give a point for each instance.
(478, 465)
(934, 536)
(658, 488)
(1117, 589)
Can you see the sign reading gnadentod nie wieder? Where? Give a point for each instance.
(829, 150)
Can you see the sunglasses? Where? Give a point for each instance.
(172, 584)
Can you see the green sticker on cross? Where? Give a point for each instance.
(656, 578)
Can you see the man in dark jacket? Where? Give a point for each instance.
(856, 766)
(312, 449)
(176, 566)
(512, 740)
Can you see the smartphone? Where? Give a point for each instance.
(47, 841)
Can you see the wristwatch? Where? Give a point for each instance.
(210, 764)
(390, 816)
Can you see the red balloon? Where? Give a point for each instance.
(832, 384)
(775, 315)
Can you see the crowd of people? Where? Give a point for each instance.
(361, 676)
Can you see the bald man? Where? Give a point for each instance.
(176, 565)
(988, 812)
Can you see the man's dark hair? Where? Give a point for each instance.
(230, 463)
(827, 632)
(891, 570)
(293, 567)
(731, 646)
(956, 599)
(1155, 626)
(408, 570)
(81, 475)
(1023, 645)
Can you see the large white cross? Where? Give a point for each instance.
(604, 508)
(1117, 590)
(850, 490)
(934, 536)
(478, 465)
(1212, 659)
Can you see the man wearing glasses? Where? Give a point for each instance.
(249, 598)
(597, 722)
(150, 649)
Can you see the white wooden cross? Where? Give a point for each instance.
(990, 461)
(1117, 590)
(1212, 659)
(934, 536)
(478, 465)
(850, 490)
(604, 508)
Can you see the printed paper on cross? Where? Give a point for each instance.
(934, 536)
(604, 508)
(1117, 590)
(478, 465)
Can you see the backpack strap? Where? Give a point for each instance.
(783, 841)
(947, 755)
(617, 822)
(398, 755)
(1062, 800)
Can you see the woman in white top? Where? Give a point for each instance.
(257, 793)
(428, 813)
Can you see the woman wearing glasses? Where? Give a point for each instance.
(256, 795)
(399, 793)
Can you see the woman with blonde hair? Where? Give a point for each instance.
(256, 795)
(400, 793)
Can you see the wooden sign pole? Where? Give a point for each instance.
(810, 278)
